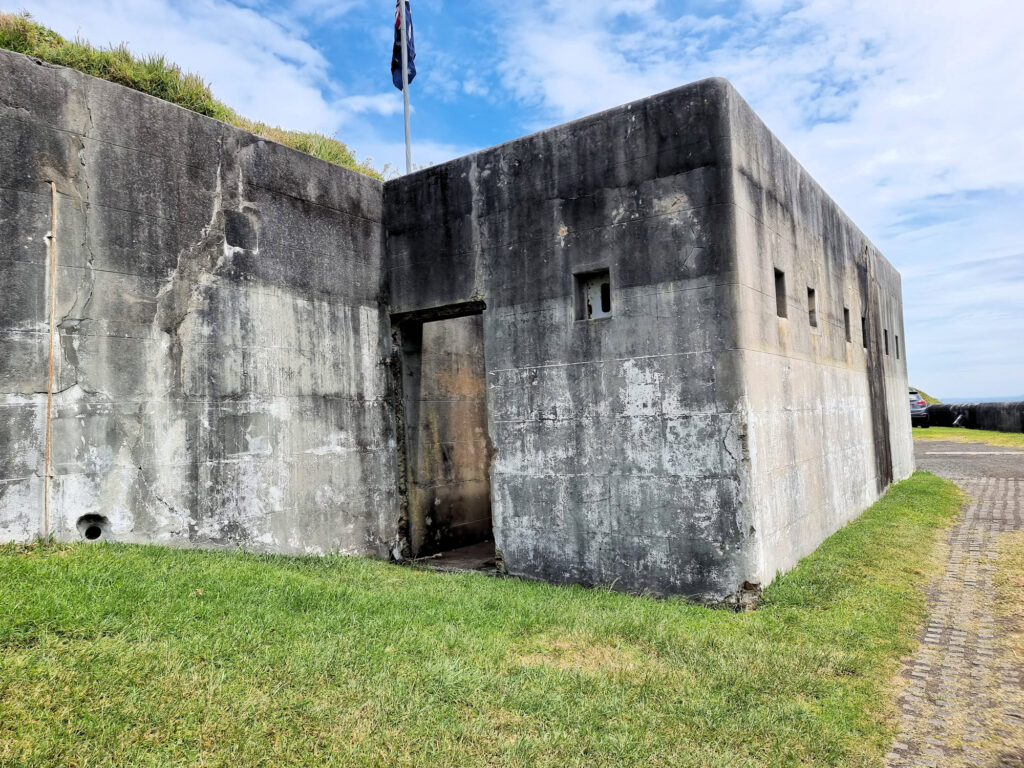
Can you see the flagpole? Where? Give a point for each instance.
(405, 87)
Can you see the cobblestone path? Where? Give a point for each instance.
(963, 701)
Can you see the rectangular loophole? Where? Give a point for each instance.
(864, 331)
(593, 295)
(812, 308)
(896, 343)
(885, 336)
(780, 293)
(846, 325)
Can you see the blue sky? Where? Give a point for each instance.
(909, 112)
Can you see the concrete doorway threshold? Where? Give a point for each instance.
(479, 557)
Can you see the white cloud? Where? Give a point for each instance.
(378, 104)
(259, 64)
(910, 88)
(323, 10)
(425, 153)
(442, 82)
(475, 86)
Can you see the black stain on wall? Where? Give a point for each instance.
(876, 379)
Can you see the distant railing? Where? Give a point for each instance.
(1000, 417)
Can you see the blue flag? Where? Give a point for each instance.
(396, 52)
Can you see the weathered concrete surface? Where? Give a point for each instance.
(219, 376)
(692, 441)
(999, 417)
(827, 417)
(225, 371)
(609, 433)
(612, 436)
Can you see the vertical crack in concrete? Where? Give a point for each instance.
(77, 313)
(185, 293)
(85, 198)
(196, 267)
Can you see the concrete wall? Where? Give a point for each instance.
(828, 419)
(1000, 417)
(219, 338)
(614, 437)
(446, 431)
(694, 440)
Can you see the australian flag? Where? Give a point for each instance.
(396, 52)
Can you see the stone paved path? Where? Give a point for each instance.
(963, 704)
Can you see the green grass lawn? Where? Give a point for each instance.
(981, 436)
(129, 656)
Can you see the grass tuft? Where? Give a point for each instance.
(156, 76)
(115, 655)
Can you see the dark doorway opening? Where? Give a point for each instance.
(447, 445)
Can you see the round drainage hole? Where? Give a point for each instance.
(93, 527)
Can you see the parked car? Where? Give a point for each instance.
(918, 410)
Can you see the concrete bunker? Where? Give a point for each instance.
(283, 355)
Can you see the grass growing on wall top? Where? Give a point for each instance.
(155, 76)
(144, 656)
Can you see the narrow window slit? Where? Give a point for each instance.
(780, 293)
